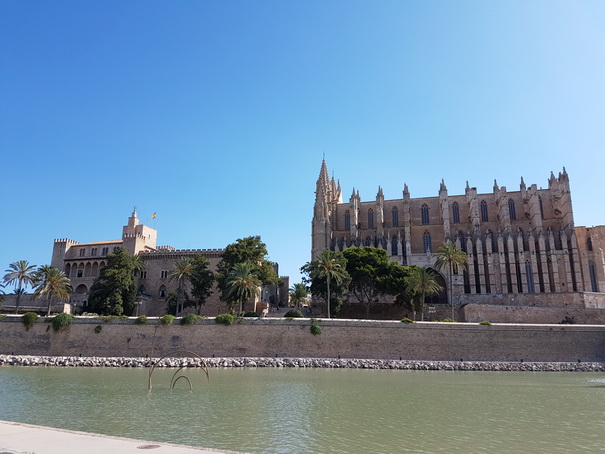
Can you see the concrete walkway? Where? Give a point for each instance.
(18, 438)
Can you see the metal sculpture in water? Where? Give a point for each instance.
(174, 378)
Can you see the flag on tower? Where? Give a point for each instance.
(153, 215)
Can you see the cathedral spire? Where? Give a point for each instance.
(496, 187)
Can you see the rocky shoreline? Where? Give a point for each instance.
(327, 363)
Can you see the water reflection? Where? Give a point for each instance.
(320, 410)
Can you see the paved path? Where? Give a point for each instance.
(18, 438)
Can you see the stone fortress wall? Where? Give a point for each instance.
(274, 337)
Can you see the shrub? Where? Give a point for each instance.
(140, 320)
(407, 320)
(28, 319)
(315, 330)
(485, 322)
(2, 317)
(251, 314)
(225, 319)
(166, 319)
(189, 319)
(448, 320)
(98, 329)
(61, 321)
(294, 314)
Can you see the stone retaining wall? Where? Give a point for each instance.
(282, 338)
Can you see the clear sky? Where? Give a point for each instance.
(216, 114)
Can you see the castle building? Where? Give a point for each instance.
(82, 263)
(521, 245)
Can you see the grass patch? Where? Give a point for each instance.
(190, 319)
(61, 321)
(166, 319)
(447, 320)
(293, 313)
(28, 319)
(407, 320)
(225, 319)
(485, 322)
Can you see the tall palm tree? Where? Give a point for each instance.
(242, 283)
(181, 272)
(327, 267)
(19, 273)
(50, 283)
(452, 258)
(424, 282)
(298, 294)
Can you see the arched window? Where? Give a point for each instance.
(511, 210)
(530, 277)
(142, 290)
(162, 291)
(456, 213)
(347, 220)
(370, 219)
(593, 277)
(484, 216)
(589, 244)
(426, 242)
(424, 214)
(395, 217)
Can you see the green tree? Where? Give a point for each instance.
(424, 283)
(181, 272)
(51, 283)
(451, 258)
(19, 273)
(372, 275)
(242, 285)
(298, 294)
(202, 280)
(329, 267)
(113, 292)
(252, 250)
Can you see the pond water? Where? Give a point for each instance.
(319, 410)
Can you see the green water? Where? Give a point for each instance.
(320, 410)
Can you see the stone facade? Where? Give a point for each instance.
(83, 261)
(520, 245)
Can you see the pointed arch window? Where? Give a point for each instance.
(426, 242)
(395, 217)
(529, 276)
(370, 219)
(424, 214)
(162, 291)
(456, 212)
(484, 216)
(593, 277)
(589, 244)
(511, 210)
(347, 220)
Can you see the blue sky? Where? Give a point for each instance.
(216, 115)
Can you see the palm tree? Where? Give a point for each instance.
(181, 272)
(329, 268)
(19, 273)
(242, 283)
(298, 294)
(452, 258)
(1, 293)
(424, 282)
(51, 282)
